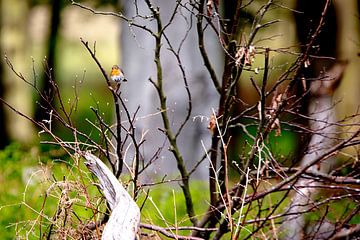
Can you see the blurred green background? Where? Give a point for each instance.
(27, 168)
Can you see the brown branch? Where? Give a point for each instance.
(120, 159)
(164, 231)
(346, 233)
(201, 45)
(163, 106)
(119, 15)
(333, 150)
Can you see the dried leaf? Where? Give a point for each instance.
(239, 56)
(275, 102)
(209, 7)
(212, 123)
(248, 54)
(277, 127)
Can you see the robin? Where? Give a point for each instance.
(117, 74)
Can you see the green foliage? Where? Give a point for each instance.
(282, 147)
(165, 204)
(38, 184)
(16, 163)
(334, 212)
(34, 193)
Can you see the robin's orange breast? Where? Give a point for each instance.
(115, 72)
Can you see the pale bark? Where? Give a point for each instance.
(322, 111)
(125, 217)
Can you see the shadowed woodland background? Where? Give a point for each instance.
(44, 36)
(48, 37)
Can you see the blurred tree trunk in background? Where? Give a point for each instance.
(331, 50)
(137, 51)
(338, 39)
(307, 19)
(348, 46)
(16, 43)
(4, 139)
(45, 85)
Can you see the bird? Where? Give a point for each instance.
(117, 74)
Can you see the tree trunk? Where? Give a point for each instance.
(49, 64)
(16, 45)
(138, 64)
(4, 139)
(321, 109)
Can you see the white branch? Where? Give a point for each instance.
(125, 217)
